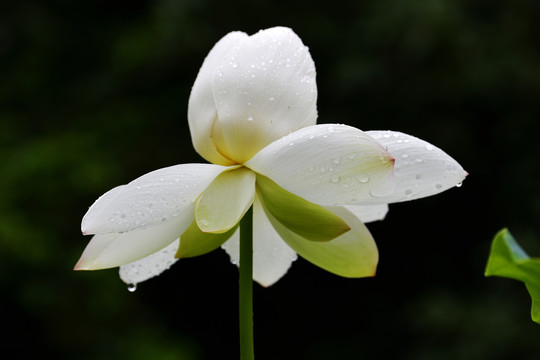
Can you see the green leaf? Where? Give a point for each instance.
(508, 259)
(194, 242)
(309, 220)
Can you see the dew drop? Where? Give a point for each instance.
(132, 287)
(459, 184)
(234, 65)
(335, 179)
(362, 178)
(271, 98)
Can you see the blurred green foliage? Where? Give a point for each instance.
(94, 94)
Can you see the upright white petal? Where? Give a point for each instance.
(421, 169)
(150, 266)
(264, 89)
(328, 164)
(150, 199)
(115, 249)
(202, 110)
(272, 257)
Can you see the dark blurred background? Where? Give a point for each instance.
(94, 94)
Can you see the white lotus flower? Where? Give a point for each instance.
(252, 114)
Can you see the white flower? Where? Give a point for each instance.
(252, 114)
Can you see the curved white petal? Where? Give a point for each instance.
(368, 213)
(327, 164)
(202, 110)
(272, 257)
(264, 89)
(115, 249)
(150, 266)
(150, 199)
(421, 169)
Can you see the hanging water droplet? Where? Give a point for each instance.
(132, 287)
(459, 184)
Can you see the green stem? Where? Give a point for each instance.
(246, 287)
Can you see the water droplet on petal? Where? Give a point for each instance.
(362, 178)
(250, 118)
(459, 184)
(335, 179)
(132, 287)
(429, 147)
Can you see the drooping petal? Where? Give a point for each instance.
(368, 213)
(272, 257)
(421, 169)
(202, 110)
(150, 199)
(353, 254)
(221, 206)
(309, 220)
(194, 242)
(328, 165)
(150, 266)
(115, 249)
(264, 89)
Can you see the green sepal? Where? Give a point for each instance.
(194, 242)
(352, 255)
(508, 259)
(310, 221)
